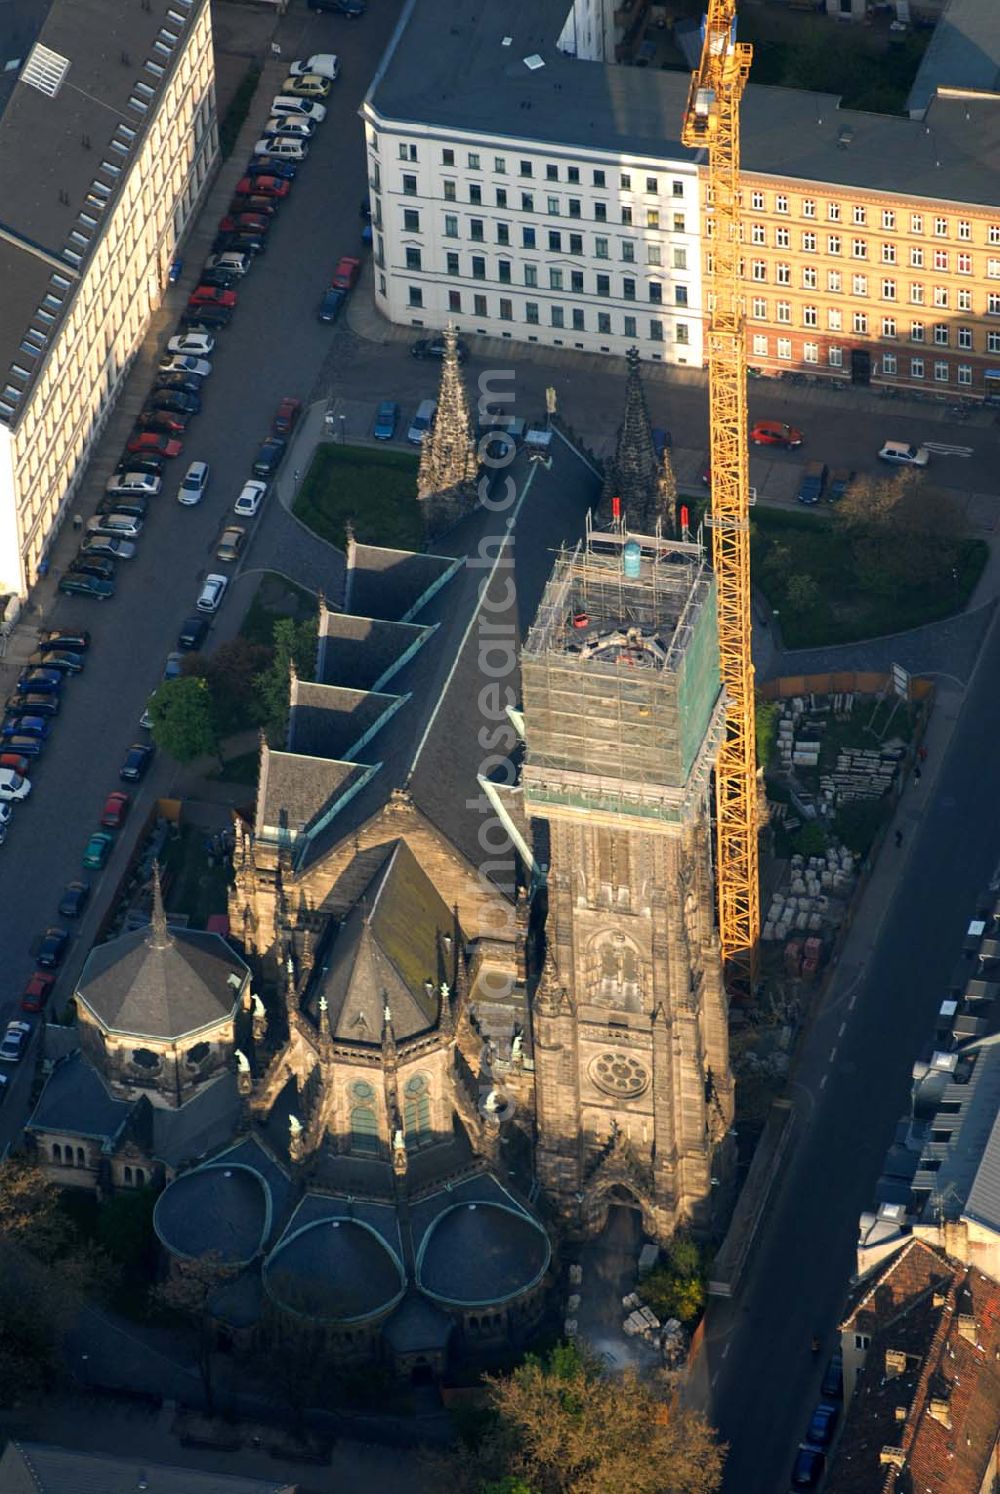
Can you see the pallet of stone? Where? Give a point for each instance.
(652, 1321)
(631, 1301)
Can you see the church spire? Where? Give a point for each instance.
(446, 481)
(633, 472)
(159, 934)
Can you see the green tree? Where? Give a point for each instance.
(676, 1289)
(294, 642)
(232, 674)
(562, 1426)
(801, 593)
(903, 533)
(183, 719)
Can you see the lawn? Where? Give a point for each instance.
(376, 490)
(844, 611)
(869, 68)
(275, 597)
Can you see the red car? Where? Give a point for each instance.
(211, 295)
(266, 207)
(115, 809)
(262, 186)
(287, 414)
(164, 420)
(774, 433)
(16, 763)
(37, 991)
(244, 223)
(346, 273)
(155, 442)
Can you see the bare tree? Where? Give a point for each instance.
(187, 1293)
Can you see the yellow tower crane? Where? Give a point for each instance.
(712, 123)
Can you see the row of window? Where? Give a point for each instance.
(576, 321)
(650, 218)
(891, 363)
(557, 241)
(940, 332)
(863, 215)
(474, 161)
(919, 257)
(558, 278)
(888, 290)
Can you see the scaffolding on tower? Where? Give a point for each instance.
(712, 123)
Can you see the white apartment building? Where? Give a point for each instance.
(521, 192)
(108, 139)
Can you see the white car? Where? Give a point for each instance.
(289, 104)
(902, 454)
(290, 126)
(282, 148)
(250, 499)
(212, 593)
(233, 260)
(12, 785)
(194, 344)
(192, 489)
(325, 64)
(15, 1038)
(200, 367)
(129, 484)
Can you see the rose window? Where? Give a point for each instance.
(619, 1074)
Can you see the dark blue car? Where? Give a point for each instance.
(821, 1424)
(328, 309)
(24, 746)
(807, 1470)
(29, 726)
(41, 681)
(386, 420)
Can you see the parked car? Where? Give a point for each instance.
(807, 1470)
(293, 104)
(812, 482)
(194, 484)
(132, 508)
(25, 746)
(179, 383)
(251, 497)
(287, 171)
(325, 64)
(132, 462)
(110, 545)
(50, 658)
(173, 666)
(821, 1424)
(285, 126)
(346, 274)
(219, 279)
(76, 642)
(121, 525)
(305, 86)
(243, 222)
(133, 484)
(42, 681)
(285, 416)
(422, 421)
(97, 849)
(902, 454)
(19, 765)
(285, 148)
(211, 594)
(194, 631)
(74, 899)
(77, 585)
(269, 456)
(234, 260)
(775, 433)
(136, 763)
(13, 786)
(230, 543)
(192, 344)
(52, 950)
(96, 566)
(832, 1385)
(263, 186)
(32, 705)
(38, 989)
(27, 726)
(15, 1041)
(433, 347)
(155, 441)
(841, 479)
(386, 420)
(207, 318)
(328, 309)
(211, 295)
(151, 418)
(116, 807)
(180, 401)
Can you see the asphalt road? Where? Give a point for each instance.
(853, 1076)
(274, 346)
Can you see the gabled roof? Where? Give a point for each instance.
(926, 1409)
(327, 721)
(39, 1468)
(387, 949)
(162, 987)
(391, 584)
(296, 791)
(363, 653)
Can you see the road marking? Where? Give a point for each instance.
(822, 1082)
(850, 1004)
(713, 1379)
(725, 1351)
(943, 449)
(833, 1053)
(843, 1029)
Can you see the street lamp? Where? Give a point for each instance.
(343, 430)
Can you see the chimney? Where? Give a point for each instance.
(967, 1327)
(895, 1363)
(940, 1411)
(894, 1455)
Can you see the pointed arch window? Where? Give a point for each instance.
(364, 1129)
(417, 1111)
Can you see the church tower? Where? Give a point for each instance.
(623, 711)
(446, 480)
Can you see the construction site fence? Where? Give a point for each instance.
(839, 682)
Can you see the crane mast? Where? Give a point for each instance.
(712, 123)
